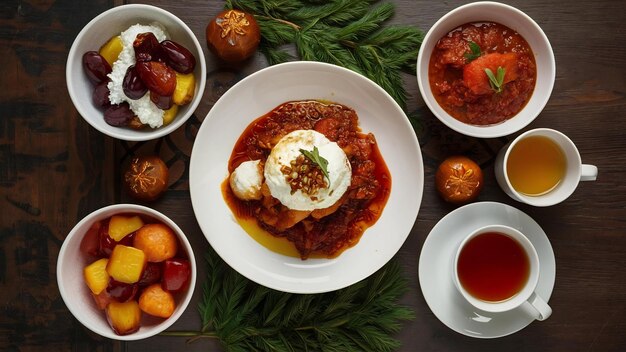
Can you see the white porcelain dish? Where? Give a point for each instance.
(436, 270)
(76, 294)
(97, 32)
(487, 11)
(255, 96)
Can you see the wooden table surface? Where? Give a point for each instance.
(55, 169)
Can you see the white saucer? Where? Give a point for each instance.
(436, 261)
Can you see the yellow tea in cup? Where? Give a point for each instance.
(536, 165)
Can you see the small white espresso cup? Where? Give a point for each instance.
(541, 310)
(575, 170)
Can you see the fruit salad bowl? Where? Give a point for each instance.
(126, 272)
(97, 35)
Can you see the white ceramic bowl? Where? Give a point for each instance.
(76, 294)
(97, 32)
(257, 95)
(514, 19)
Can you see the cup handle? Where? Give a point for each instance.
(588, 172)
(541, 309)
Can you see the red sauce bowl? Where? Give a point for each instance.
(516, 20)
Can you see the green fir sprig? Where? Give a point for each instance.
(245, 316)
(348, 33)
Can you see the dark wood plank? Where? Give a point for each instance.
(48, 176)
(54, 169)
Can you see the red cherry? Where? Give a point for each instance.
(176, 274)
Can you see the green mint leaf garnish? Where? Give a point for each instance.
(474, 52)
(317, 159)
(496, 82)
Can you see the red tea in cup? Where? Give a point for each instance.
(493, 267)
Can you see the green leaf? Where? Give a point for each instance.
(317, 159)
(474, 52)
(496, 83)
(348, 33)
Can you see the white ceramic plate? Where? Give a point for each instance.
(437, 258)
(255, 96)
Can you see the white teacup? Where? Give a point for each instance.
(526, 292)
(575, 170)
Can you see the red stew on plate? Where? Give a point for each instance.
(460, 68)
(325, 233)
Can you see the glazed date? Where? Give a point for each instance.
(96, 67)
(178, 57)
(158, 77)
(151, 274)
(146, 47)
(162, 102)
(118, 115)
(100, 95)
(122, 292)
(133, 86)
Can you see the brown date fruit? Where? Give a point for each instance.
(96, 67)
(120, 291)
(164, 103)
(133, 86)
(178, 57)
(146, 47)
(118, 115)
(158, 77)
(151, 274)
(136, 124)
(100, 95)
(459, 179)
(233, 35)
(146, 178)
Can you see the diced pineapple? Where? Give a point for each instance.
(125, 317)
(170, 114)
(112, 49)
(185, 88)
(96, 275)
(126, 264)
(154, 300)
(120, 226)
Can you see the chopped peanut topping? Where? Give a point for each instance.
(305, 176)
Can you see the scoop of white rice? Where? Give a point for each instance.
(143, 107)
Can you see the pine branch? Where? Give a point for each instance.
(245, 316)
(348, 33)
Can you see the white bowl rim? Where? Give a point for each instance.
(128, 208)
(153, 133)
(509, 126)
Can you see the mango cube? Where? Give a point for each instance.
(96, 275)
(111, 49)
(185, 88)
(126, 264)
(125, 317)
(120, 226)
(170, 114)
